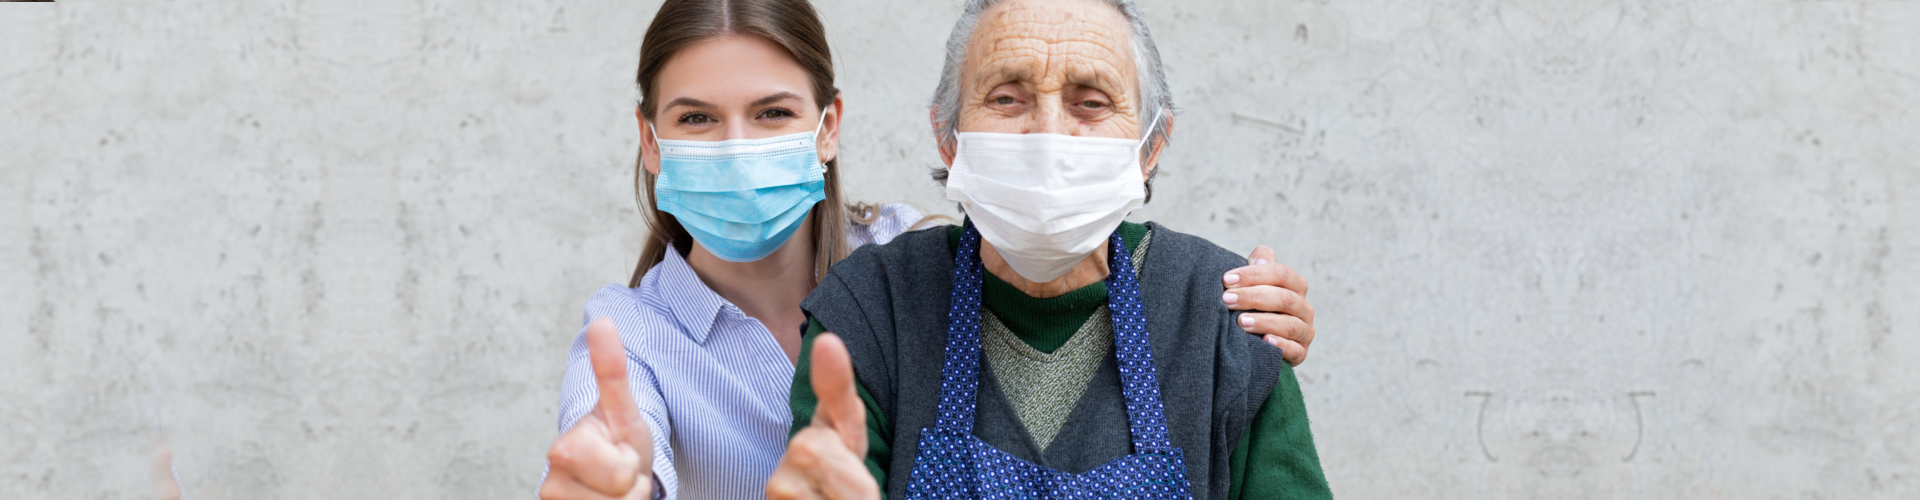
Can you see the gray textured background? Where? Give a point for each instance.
(1565, 249)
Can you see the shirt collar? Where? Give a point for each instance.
(694, 306)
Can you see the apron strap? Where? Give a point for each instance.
(1146, 415)
(960, 377)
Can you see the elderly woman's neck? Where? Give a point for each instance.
(1089, 271)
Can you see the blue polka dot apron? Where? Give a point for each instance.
(952, 463)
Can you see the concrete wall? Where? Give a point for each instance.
(1566, 249)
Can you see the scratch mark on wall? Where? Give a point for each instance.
(1480, 423)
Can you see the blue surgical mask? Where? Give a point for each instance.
(741, 199)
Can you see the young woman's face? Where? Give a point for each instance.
(736, 87)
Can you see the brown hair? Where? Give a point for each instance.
(791, 24)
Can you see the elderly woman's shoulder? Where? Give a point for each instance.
(915, 263)
(1189, 250)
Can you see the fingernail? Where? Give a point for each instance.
(1259, 261)
(1247, 322)
(1273, 340)
(1233, 278)
(1230, 298)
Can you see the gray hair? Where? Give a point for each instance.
(1155, 97)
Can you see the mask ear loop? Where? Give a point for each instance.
(659, 151)
(823, 168)
(1139, 150)
(816, 136)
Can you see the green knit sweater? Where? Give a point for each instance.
(1275, 458)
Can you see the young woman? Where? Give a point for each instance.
(739, 140)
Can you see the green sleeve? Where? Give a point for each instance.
(1276, 457)
(801, 398)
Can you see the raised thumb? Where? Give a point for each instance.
(609, 358)
(840, 408)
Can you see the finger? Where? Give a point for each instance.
(586, 454)
(790, 484)
(794, 477)
(161, 473)
(1267, 274)
(828, 468)
(1292, 351)
(1281, 325)
(840, 408)
(1271, 299)
(562, 486)
(848, 479)
(609, 358)
(641, 490)
(616, 408)
(1261, 254)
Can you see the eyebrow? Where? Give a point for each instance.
(773, 99)
(1004, 72)
(687, 101)
(696, 103)
(1102, 81)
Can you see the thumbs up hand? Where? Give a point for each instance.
(609, 453)
(827, 459)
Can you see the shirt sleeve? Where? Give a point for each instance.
(803, 402)
(580, 393)
(1276, 457)
(891, 220)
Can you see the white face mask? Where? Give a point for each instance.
(1046, 201)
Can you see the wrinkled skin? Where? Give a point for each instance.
(1033, 66)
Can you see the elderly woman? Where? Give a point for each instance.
(1046, 348)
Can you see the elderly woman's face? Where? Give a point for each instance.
(1050, 67)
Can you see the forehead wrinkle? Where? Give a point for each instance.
(1022, 50)
(1006, 60)
(1052, 48)
(1081, 62)
(1029, 12)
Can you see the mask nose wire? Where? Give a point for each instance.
(654, 131)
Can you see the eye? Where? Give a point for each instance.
(776, 113)
(1091, 104)
(696, 118)
(1005, 100)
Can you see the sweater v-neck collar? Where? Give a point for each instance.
(1046, 324)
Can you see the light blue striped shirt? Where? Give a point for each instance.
(710, 381)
